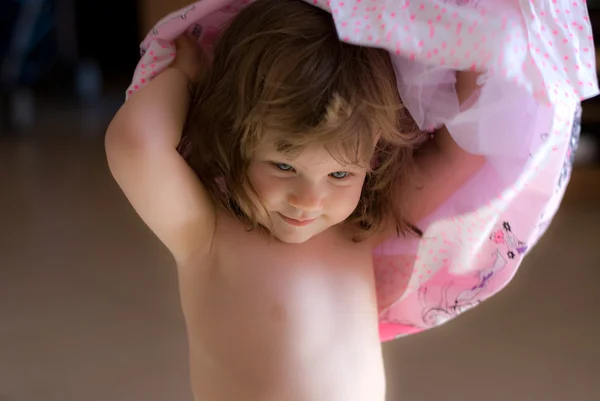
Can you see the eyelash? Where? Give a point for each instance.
(279, 166)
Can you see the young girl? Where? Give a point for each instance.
(298, 164)
(295, 137)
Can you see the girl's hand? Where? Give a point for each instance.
(466, 86)
(189, 58)
(444, 166)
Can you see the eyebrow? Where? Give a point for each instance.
(347, 167)
(275, 154)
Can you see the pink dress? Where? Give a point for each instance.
(539, 63)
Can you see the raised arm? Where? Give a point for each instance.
(443, 165)
(141, 144)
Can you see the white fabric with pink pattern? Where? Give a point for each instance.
(539, 63)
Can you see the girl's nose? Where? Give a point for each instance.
(307, 197)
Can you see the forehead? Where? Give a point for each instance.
(318, 146)
(312, 157)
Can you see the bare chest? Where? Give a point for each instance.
(269, 311)
(254, 279)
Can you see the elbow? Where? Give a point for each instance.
(123, 134)
(114, 140)
(120, 139)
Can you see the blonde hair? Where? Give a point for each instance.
(279, 67)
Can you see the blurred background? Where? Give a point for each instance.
(89, 308)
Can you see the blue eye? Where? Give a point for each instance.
(338, 175)
(283, 166)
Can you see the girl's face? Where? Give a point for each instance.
(305, 195)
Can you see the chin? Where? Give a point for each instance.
(289, 235)
(297, 235)
(293, 238)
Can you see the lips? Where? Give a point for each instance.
(296, 222)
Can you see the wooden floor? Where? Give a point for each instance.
(89, 308)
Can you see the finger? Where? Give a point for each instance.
(184, 42)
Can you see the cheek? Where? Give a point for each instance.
(345, 201)
(267, 188)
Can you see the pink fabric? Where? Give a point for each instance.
(538, 58)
